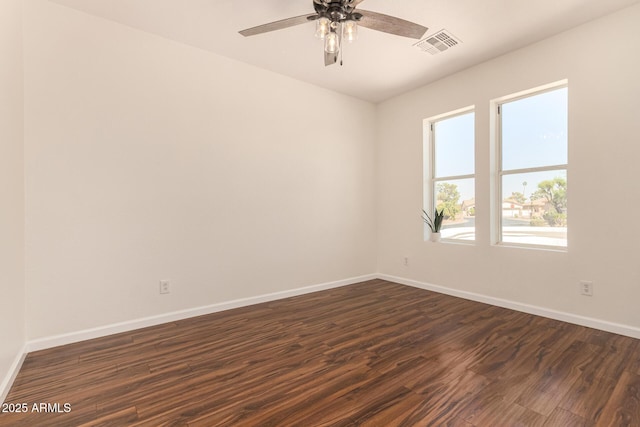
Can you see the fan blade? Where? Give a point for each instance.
(330, 58)
(354, 3)
(391, 24)
(278, 25)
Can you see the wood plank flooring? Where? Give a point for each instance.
(371, 354)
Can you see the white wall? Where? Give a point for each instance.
(601, 62)
(146, 159)
(12, 293)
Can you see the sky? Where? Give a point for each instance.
(534, 134)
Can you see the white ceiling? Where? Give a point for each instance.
(378, 65)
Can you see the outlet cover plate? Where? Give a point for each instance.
(165, 286)
(586, 288)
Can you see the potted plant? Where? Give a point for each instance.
(434, 223)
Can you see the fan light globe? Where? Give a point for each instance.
(350, 30)
(322, 27)
(331, 43)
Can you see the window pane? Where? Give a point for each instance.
(534, 208)
(454, 146)
(534, 131)
(457, 198)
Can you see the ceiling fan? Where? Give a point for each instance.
(338, 20)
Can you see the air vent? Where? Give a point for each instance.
(438, 42)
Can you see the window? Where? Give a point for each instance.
(450, 182)
(532, 174)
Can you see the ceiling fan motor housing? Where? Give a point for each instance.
(336, 10)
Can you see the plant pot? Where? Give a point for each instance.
(435, 237)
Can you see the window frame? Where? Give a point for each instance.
(430, 180)
(500, 172)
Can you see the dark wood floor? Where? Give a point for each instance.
(374, 353)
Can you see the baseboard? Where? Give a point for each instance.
(589, 322)
(7, 382)
(58, 340)
(70, 338)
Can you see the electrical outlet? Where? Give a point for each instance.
(165, 286)
(586, 288)
(406, 261)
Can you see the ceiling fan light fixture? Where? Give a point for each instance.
(350, 30)
(323, 26)
(332, 42)
(337, 20)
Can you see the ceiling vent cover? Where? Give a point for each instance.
(438, 42)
